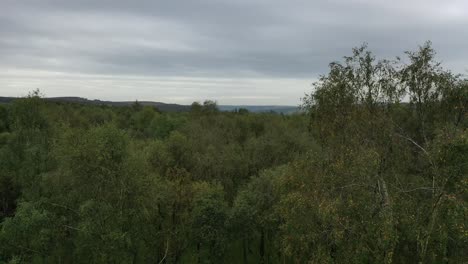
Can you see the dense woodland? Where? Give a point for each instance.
(373, 170)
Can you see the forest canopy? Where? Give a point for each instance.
(373, 170)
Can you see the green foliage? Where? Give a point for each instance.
(391, 151)
(374, 170)
(208, 220)
(4, 119)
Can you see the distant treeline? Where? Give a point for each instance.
(372, 170)
(165, 107)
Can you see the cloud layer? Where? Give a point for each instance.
(237, 52)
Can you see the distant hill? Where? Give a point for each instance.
(285, 109)
(79, 100)
(167, 107)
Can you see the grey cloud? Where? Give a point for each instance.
(221, 38)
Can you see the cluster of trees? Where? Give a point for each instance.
(374, 170)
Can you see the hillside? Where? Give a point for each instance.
(161, 106)
(166, 107)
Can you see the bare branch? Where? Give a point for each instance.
(415, 143)
(417, 189)
(165, 253)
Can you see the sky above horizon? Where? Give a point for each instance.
(250, 52)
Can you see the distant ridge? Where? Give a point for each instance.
(165, 107)
(79, 100)
(285, 109)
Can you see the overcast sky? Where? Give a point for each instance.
(232, 51)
